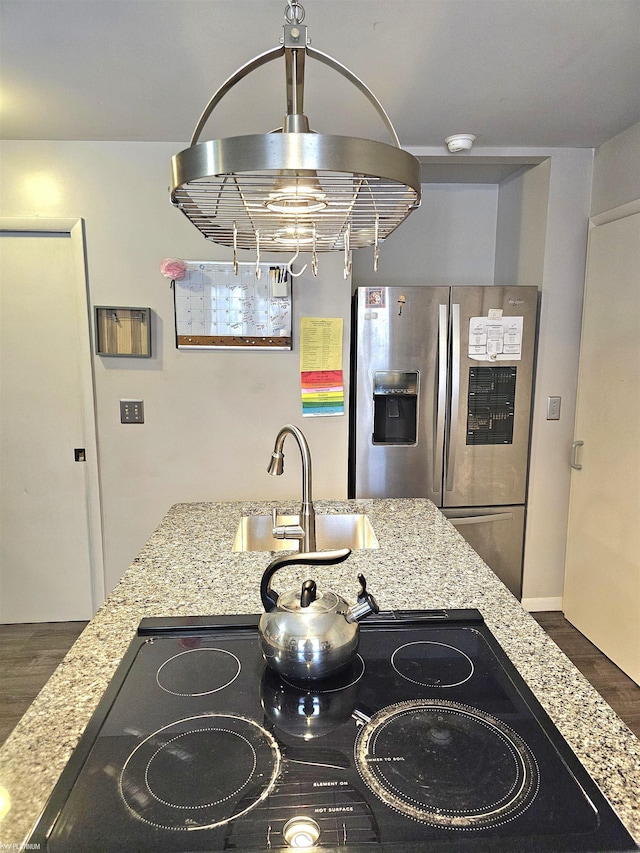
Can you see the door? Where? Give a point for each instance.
(487, 446)
(602, 572)
(51, 557)
(401, 355)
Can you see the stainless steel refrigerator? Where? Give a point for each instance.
(441, 407)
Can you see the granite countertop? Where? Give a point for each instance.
(187, 568)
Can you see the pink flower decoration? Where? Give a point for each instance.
(173, 268)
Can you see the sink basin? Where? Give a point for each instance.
(332, 531)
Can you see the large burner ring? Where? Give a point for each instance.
(446, 764)
(200, 772)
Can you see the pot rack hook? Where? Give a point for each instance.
(314, 255)
(258, 270)
(376, 245)
(347, 252)
(235, 248)
(289, 265)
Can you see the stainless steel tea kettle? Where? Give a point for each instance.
(306, 634)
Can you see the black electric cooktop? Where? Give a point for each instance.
(428, 741)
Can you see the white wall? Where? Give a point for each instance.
(523, 201)
(616, 171)
(556, 375)
(449, 239)
(210, 417)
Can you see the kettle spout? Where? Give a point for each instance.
(365, 605)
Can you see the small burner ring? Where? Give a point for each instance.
(432, 664)
(173, 744)
(198, 672)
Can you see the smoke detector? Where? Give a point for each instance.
(460, 142)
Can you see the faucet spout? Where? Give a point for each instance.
(276, 467)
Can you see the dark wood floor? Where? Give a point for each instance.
(30, 653)
(616, 688)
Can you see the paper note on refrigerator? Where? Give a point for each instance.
(495, 339)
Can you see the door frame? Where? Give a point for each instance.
(75, 230)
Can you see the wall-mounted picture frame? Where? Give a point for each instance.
(122, 331)
(219, 307)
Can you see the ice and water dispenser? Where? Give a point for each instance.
(395, 406)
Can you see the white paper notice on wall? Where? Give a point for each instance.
(495, 338)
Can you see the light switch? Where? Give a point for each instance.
(553, 408)
(131, 412)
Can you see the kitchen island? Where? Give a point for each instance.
(187, 568)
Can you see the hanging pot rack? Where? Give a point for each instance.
(293, 190)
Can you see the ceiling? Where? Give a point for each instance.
(516, 73)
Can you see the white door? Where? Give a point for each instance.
(602, 576)
(51, 549)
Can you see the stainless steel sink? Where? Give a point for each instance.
(349, 530)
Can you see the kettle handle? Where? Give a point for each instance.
(310, 558)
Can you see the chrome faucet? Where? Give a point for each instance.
(305, 531)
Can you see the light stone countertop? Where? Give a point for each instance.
(187, 568)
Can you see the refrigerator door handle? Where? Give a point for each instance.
(480, 519)
(455, 395)
(441, 402)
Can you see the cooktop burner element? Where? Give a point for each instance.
(200, 772)
(334, 682)
(446, 764)
(197, 672)
(432, 664)
(428, 741)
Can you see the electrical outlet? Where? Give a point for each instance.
(553, 408)
(131, 412)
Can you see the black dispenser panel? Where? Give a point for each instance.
(491, 405)
(395, 407)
